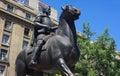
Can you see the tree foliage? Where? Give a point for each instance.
(97, 57)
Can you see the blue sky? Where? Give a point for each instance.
(98, 13)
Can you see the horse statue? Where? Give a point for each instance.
(61, 52)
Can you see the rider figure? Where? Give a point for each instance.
(42, 28)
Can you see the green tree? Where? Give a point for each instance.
(98, 56)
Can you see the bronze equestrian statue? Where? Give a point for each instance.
(61, 50)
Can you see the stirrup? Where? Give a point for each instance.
(32, 62)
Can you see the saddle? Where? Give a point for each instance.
(29, 49)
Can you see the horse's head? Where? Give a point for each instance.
(70, 12)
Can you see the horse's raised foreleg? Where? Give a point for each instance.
(61, 65)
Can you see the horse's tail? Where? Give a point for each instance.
(20, 64)
(21, 56)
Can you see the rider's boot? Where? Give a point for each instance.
(36, 52)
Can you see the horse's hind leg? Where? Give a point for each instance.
(63, 68)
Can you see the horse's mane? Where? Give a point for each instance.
(67, 26)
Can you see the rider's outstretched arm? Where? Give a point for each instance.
(37, 24)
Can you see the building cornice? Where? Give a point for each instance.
(5, 61)
(15, 15)
(23, 7)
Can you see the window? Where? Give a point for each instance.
(5, 39)
(7, 25)
(26, 2)
(9, 8)
(25, 43)
(26, 31)
(3, 54)
(39, 8)
(27, 16)
(22, 1)
(2, 68)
